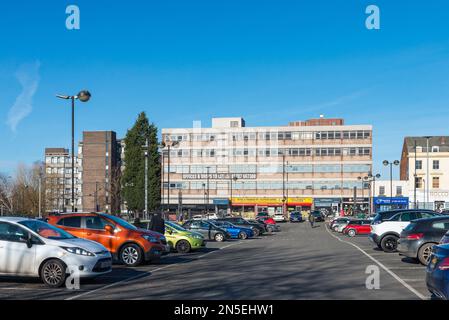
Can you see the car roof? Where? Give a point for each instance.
(436, 218)
(15, 219)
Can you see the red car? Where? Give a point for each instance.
(266, 220)
(357, 227)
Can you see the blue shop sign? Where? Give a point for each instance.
(391, 201)
(221, 202)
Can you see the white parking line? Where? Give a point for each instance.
(394, 275)
(145, 274)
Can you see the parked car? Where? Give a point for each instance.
(418, 238)
(437, 272)
(296, 216)
(258, 223)
(240, 222)
(182, 240)
(319, 216)
(34, 248)
(208, 230)
(339, 224)
(262, 214)
(279, 217)
(270, 224)
(357, 227)
(235, 231)
(127, 243)
(385, 233)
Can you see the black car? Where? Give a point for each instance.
(318, 215)
(418, 238)
(240, 222)
(207, 229)
(258, 223)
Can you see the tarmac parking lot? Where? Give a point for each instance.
(299, 262)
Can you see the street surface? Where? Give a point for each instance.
(297, 263)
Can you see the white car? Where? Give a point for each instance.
(386, 232)
(279, 217)
(34, 248)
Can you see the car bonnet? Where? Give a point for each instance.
(85, 244)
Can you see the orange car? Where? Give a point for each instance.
(126, 243)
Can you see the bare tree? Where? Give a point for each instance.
(6, 194)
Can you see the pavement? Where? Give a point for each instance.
(299, 262)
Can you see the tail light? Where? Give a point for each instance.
(444, 265)
(415, 236)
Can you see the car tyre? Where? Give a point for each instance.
(242, 235)
(424, 253)
(53, 273)
(219, 237)
(389, 243)
(131, 255)
(351, 233)
(183, 246)
(335, 228)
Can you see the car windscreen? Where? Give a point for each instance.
(46, 230)
(119, 221)
(175, 226)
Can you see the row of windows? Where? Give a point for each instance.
(274, 152)
(266, 185)
(275, 135)
(435, 164)
(419, 182)
(271, 168)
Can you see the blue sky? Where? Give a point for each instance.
(268, 61)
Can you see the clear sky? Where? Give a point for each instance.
(183, 60)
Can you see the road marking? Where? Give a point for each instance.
(408, 268)
(394, 275)
(146, 274)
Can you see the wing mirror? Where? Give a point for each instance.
(169, 231)
(109, 228)
(29, 241)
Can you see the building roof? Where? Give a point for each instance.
(434, 141)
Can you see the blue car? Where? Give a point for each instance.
(296, 216)
(234, 231)
(437, 272)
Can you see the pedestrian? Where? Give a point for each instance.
(157, 223)
(311, 219)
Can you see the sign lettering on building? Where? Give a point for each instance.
(218, 176)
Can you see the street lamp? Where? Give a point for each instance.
(233, 179)
(168, 146)
(389, 163)
(372, 189)
(82, 96)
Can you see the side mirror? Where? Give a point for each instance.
(169, 231)
(109, 228)
(29, 241)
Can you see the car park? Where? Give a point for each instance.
(279, 217)
(34, 248)
(240, 222)
(234, 231)
(127, 243)
(357, 227)
(258, 223)
(437, 272)
(208, 230)
(385, 233)
(296, 216)
(270, 224)
(182, 240)
(418, 238)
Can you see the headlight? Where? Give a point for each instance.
(79, 251)
(151, 239)
(196, 236)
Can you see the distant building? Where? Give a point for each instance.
(384, 199)
(307, 164)
(425, 164)
(58, 180)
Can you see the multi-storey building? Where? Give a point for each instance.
(308, 163)
(100, 153)
(390, 195)
(425, 165)
(58, 180)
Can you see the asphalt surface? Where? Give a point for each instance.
(297, 263)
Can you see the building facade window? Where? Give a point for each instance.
(381, 190)
(436, 164)
(418, 182)
(418, 164)
(435, 182)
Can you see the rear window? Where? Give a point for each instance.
(441, 225)
(410, 227)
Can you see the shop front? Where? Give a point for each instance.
(327, 205)
(387, 203)
(272, 204)
(361, 206)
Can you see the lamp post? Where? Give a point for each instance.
(363, 187)
(167, 145)
(427, 172)
(391, 163)
(233, 179)
(207, 199)
(145, 152)
(82, 96)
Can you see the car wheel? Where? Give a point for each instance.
(389, 243)
(53, 273)
(219, 237)
(335, 229)
(242, 235)
(183, 246)
(424, 253)
(351, 233)
(256, 232)
(131, 255)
